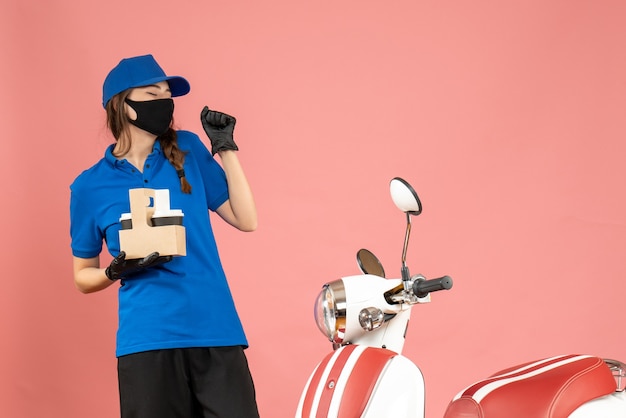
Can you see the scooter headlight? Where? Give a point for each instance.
(330, 311)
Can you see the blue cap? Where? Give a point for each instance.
(137, 72)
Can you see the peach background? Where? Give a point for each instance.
(506, 116)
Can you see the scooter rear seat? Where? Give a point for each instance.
(549, 388)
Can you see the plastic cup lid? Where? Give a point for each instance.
(168, 213)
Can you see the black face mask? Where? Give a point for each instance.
(154, 116)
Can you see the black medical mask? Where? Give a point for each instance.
(154, 116)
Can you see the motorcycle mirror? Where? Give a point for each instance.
(404, 197)
(369, 263)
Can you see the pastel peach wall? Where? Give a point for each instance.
(506, 116)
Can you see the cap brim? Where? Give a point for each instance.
(178, 85)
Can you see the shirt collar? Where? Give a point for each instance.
(115, 162)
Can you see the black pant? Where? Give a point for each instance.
(187, 383)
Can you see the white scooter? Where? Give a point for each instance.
(366, 317)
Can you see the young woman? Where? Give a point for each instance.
(180, 341)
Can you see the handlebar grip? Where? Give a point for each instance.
(421, 287)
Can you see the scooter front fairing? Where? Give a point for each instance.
(367, 382)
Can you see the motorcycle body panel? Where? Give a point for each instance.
(609, 406)
(360, 381)
(365, 291)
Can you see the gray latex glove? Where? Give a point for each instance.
(219, 128)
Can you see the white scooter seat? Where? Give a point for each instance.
(549, 388)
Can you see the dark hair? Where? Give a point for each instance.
(117, 122)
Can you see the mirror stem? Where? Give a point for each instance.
(405, 270)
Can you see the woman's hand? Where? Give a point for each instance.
(121, 268)
(219, 127)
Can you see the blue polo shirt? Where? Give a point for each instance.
(183, 303)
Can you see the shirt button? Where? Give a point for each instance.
(145, 181)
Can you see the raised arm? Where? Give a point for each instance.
(239, 210)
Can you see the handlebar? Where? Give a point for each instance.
(422, 287)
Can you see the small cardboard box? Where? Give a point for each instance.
(146, 206)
